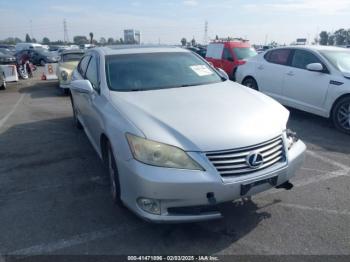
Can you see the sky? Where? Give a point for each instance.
(167, 21)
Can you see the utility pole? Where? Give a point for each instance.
(205, 33)
(65, 32)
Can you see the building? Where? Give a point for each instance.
(132, 36)
(301, 41)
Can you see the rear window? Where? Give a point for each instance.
(141, 72)
(72, 57)
(279, 56)
(244, 52)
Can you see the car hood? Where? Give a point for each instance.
(204, 118)
(69, 66)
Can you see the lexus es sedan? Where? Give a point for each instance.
(315, 79)
(176, 136)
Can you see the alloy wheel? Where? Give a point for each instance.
(343, 116)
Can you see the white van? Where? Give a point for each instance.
(27, 46)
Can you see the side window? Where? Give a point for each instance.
(92, 73)
(302, 58)
(227, 55)
(279, 56)
(215, 51)
(83, 65)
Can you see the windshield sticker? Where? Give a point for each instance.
(201, 70)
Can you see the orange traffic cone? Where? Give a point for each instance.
(43, 76)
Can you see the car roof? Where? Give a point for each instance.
(73, 51)
(313, 47)
(138, 49)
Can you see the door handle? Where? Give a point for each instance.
(291, 73)
(260, 67)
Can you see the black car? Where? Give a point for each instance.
(6, 57)
(198, 50)
(39, 56)
(11, 48)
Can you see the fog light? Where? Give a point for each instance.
(149, 205)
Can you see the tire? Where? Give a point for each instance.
(3, 86)
(113, 176)
(76, 121)
(251, 83)
(42, 62)
(341, 115)
(65, 91)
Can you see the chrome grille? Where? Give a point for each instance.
(234, 162)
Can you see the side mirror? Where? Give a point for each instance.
(230, 59)
(222, 73)
(81, 86)
(317, 67)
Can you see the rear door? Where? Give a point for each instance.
(271, 71)
(214, 54)
(304, 89)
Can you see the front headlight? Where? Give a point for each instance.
(291, 138)
(64, 75)
(159, 154)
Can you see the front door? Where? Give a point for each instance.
(304, 89)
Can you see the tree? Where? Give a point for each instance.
(91, 37)
(193, 42)
(110, 41)
(28, 39)
(33, 40)
(121, 41)
(324, 38)
(340, 36)
(216, 37)
(331, 40)
(273, 44)
(103, 41)
(183, 41)
(46, 41)
(80, 40)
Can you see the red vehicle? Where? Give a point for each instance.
(228, 55)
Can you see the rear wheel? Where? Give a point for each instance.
(341, 115)
(77, 123)
(251, 83)
(113, 176)
(3, 86)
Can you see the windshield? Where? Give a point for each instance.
(5, 51)
(339, 59)
(244, 52)
(140, 72)
(72, 57)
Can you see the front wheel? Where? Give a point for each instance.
(251, 83)
(341, 115)
(3, 86)
(113, 175)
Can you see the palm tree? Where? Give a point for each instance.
(91, 37)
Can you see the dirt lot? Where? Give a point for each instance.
(54, 194)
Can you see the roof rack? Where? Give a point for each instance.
(230, 39)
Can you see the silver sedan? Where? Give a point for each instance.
(178, 138)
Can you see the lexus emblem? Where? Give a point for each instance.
(255, 160)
